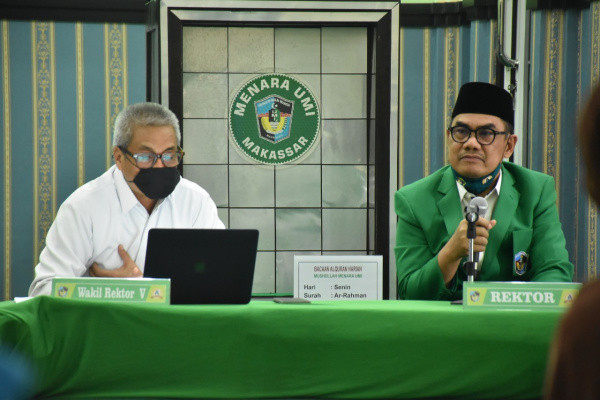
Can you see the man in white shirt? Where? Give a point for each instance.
(102, 228)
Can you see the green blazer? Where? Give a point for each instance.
(429, 211)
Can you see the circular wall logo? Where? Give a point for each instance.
(274, 119)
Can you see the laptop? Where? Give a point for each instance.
(206, 266)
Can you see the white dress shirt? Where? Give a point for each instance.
(104, 213)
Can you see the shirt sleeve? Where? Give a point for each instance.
(549, 256)
(67, 252)
(419, 275)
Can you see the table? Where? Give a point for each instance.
(325, 349)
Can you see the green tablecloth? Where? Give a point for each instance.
(386, 349)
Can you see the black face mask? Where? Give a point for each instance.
(157, 183)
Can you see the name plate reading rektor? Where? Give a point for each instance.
(130, 290)
(520, 295)
(338, 277)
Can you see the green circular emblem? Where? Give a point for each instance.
(274, 119)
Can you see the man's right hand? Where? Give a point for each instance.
(128, 270)
(458, 246)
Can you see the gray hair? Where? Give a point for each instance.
(143, 114)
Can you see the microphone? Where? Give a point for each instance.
(477, 206)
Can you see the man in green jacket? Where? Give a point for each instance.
(520, 236)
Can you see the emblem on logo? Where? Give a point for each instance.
(569, 299)
(274, 119)
(274, 115)
(63, 291)
(474, 295)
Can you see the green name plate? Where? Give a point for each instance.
(547, 295)
(130, 290)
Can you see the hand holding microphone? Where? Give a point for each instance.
(475, 210)
(457, 247)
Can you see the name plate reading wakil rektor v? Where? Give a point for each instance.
(338, 277)
(547, 295)
(130, 290)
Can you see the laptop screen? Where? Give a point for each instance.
(206, 266)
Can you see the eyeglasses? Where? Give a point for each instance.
(147, 159)
(484, 136)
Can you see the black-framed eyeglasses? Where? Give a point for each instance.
(484, 136)
(147, 159)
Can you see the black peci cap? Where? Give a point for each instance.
(484, 98)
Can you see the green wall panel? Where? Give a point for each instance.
(63, 83)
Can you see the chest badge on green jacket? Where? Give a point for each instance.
(520, 263)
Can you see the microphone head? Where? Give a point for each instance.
(478, 205)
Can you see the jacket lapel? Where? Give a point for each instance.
(503, 214)
(449, 205)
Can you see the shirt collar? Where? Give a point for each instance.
(463, 195)
(126, 197)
